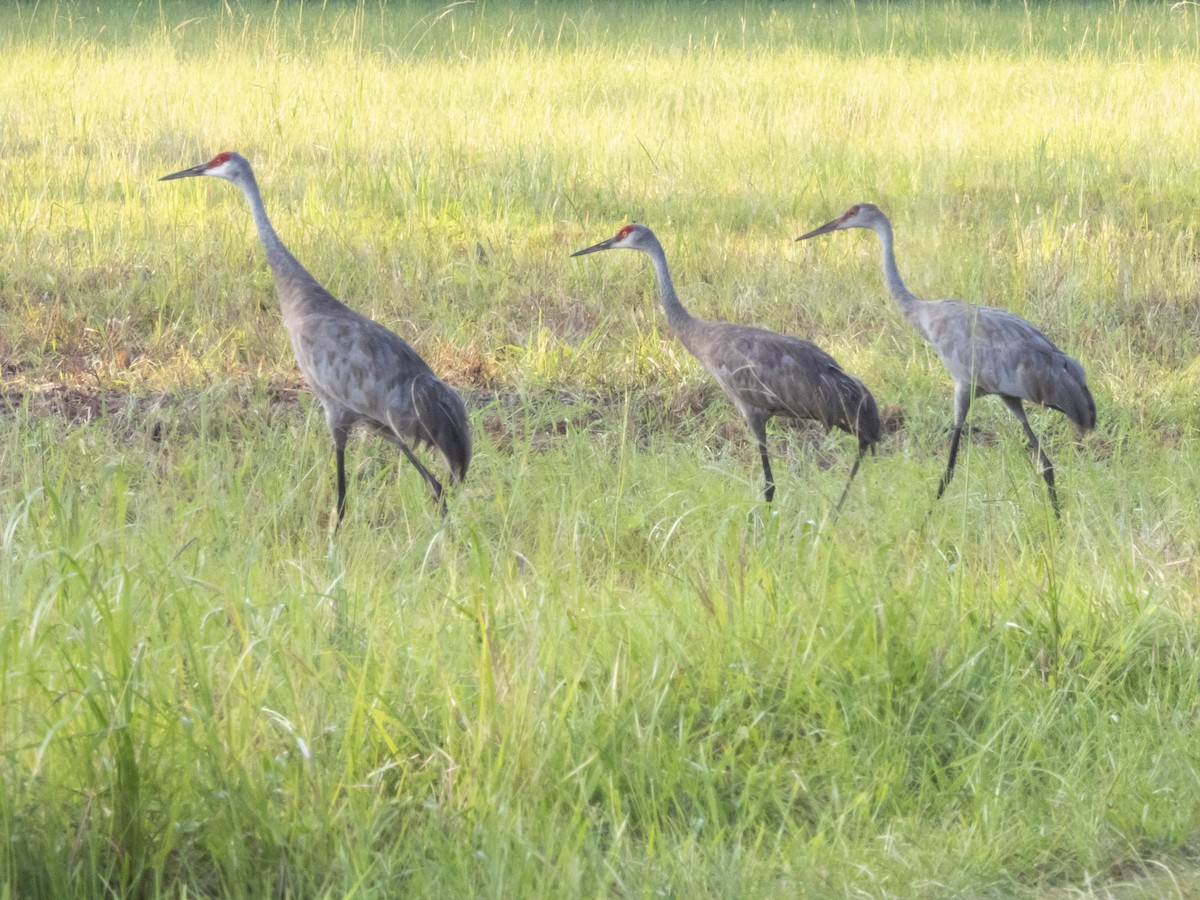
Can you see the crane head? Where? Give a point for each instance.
(631, 237)
(860, 215)
(227, 165)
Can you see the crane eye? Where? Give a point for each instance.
(219, 159)
(624, 232)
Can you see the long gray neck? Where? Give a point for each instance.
(909, 303)
(292, 280)
(678, 317)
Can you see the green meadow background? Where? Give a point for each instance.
(611, 670)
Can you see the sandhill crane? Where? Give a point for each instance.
(986, 350)
(764, 374)
(360, 371)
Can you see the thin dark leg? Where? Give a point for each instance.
(339, 428)
(341, 432)
(1041, 460)
(962, 403)
(862, 449)
(949, 473)
(340, 453)
(768, 478)
(434, 484)
(758, 426)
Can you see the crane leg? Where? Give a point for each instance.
(340, 453)
(1040, 459)
(341, 432)
(862, 449)
(758, 425)
(962, 404)
(434, 484)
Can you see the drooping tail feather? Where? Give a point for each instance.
(1064, 387)
(443, 423)
(1083, 415)
(858, 413)
(860, 417)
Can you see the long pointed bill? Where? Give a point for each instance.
(184, 173)
(603, 245)
(824, 229)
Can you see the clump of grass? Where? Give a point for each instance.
(609, 656)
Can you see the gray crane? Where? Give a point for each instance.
(763, 374)
(360, 371)
(986, 350)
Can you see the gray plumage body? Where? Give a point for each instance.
(763, 373)
(360, 371)
(986, 351)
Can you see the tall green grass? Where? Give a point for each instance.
(611, 669)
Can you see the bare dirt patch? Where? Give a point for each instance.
(539, 416)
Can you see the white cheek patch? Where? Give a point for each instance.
(221, 170)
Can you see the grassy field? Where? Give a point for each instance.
(611, 670)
